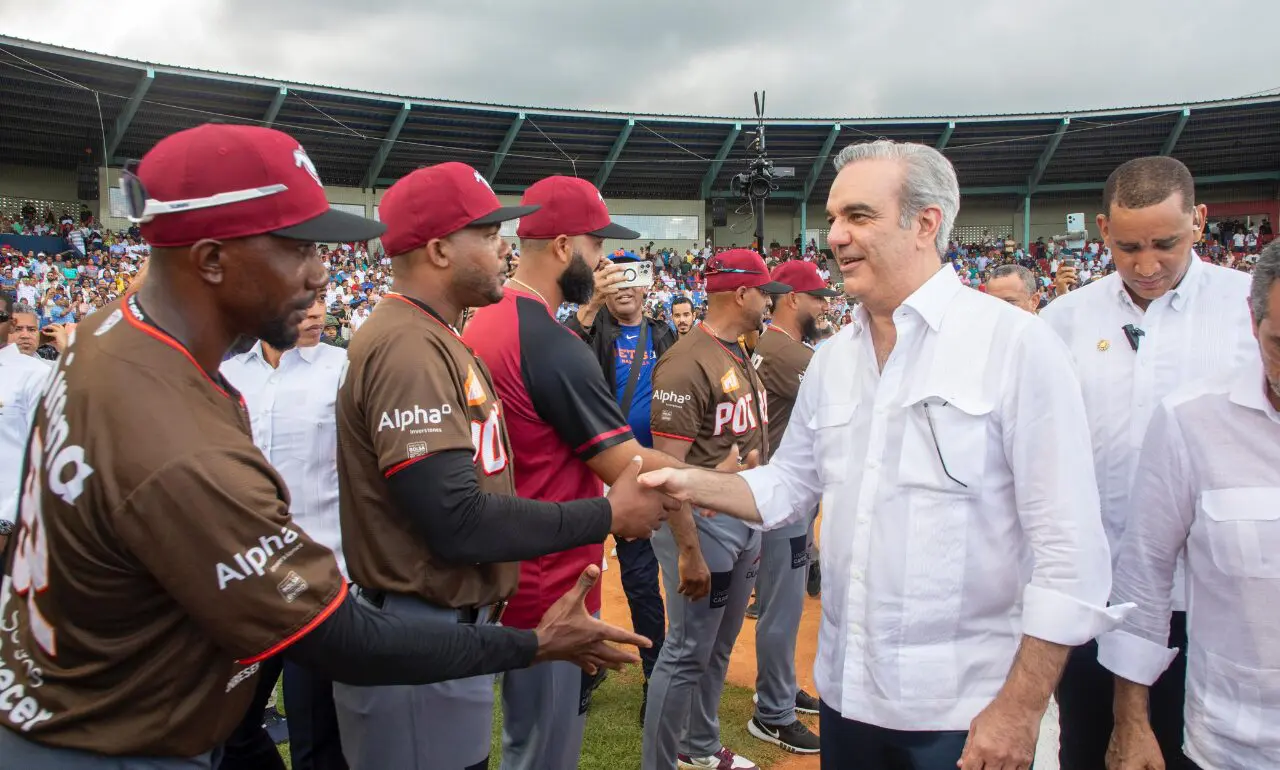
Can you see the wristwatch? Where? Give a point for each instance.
(6, 527)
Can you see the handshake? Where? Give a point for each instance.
(642, 502)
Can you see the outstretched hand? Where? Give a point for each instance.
(568, 632)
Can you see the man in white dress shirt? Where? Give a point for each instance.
(1208, 482)
(290, 395)
(963, 553)
(1162, 320)
(22, 378)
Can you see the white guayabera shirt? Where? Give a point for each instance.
(291, 409)
(1199, 328)
(1209, 481)
(938, 554)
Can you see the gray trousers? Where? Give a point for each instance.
(444, 726)
(682, 715)
(17, 753)
(784, 561)
(544, 715)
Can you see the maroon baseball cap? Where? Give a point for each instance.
(803, 278)
(570, 206)
(437, 201)
(738, 268)
(225, 181)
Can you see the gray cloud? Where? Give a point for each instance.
(828, 58)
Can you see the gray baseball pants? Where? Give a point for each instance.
(682, 715)
(784, 559)
(444, 726)
(544, 716)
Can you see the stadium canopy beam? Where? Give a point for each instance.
(812, 180)
(946, 136)
(384, 150)
(504, 148)
(726, 147)
(1021, 191)
(273, 111)
(1046, 157)
(821, 161)
(1176, 132)
(793, 195)
(126, 115)
(606, 169)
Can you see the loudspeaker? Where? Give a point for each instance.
(719, 214)
(87, 183)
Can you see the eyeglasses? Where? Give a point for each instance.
(141, 209)
(938, 448)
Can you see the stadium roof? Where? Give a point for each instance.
(67, 108)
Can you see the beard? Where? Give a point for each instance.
(809, 328)
(279, 333)
(577, 282)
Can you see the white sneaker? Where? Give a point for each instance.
(724, 759)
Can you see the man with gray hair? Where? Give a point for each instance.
(1016, 285)
(1208, 483)
(963, 554)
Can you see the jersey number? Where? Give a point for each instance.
(31, 552)
(486, 437)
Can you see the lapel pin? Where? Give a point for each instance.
(1104, 345)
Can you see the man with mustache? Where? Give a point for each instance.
(682, 315)
(568, 435)
(1164, 319)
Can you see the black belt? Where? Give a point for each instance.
(466, 615)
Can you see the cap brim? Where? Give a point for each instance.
(827, 293)
(616, 231)
(504, 214)
(334, 226)
(773, 287)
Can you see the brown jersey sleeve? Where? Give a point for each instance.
(415, 401)
(681, 398)
(213, 528)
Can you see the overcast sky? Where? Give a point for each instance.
(816, 58)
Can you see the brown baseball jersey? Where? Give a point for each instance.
(706, 393)
(155, 563)
(413, 388)
(781, 361)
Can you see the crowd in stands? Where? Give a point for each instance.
(98, 265)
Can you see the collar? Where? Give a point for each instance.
(306, 354)
(426, 309)
(1247, 388)
(931, 300)
(136, 317)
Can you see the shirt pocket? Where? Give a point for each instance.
(832, 426)
(1243, 527)
(944, 445)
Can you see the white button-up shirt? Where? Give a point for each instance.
(292, 411)
(1209, 481)
(22, 380)
(1198, 328)
(932, 574)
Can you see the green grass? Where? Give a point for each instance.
(612, 739)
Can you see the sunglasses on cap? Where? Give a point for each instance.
(715, 269)
(140, 209)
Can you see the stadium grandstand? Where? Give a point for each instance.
(72, 119)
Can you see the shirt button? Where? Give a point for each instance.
(873, 464)
(862, 520)
(857, 575)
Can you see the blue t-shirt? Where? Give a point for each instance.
(624, 351)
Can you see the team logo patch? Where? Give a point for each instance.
(108, 324)
(416, 449)
(292, 586)
(475, 391)
(729, 382)
(302, 161)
